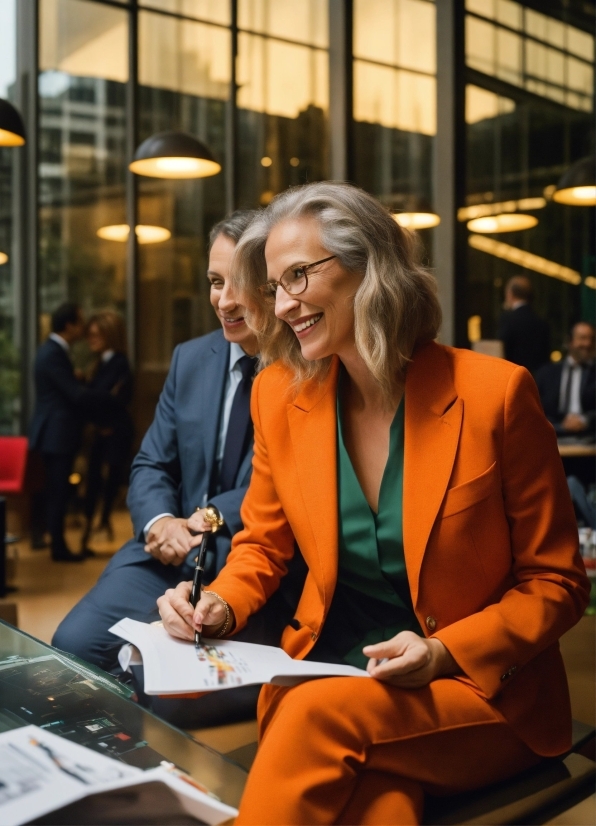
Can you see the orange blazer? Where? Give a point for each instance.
(490, 537)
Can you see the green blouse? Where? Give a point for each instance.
(372, 600)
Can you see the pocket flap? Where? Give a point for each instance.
(469, 493)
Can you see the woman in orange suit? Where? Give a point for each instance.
(424, 488)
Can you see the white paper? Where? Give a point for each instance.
(41, 772)
(173, 666)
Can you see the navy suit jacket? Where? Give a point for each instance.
(57, 417)
(173, 471)
(525, 337)
(548, 379)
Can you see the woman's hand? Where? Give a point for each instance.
(181, 620)
(409, 661)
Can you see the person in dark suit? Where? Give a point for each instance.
(567, 387)
(106, 337)
(197, 452)
(60, 406)
(525, 336)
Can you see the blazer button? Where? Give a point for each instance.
(313, 636)
(431, 623)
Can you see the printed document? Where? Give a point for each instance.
(173, 666)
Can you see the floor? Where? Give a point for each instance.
(46, 591)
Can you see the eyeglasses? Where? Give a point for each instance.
(294, 280)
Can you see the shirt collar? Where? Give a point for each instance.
(107, 355)
(59, 340)
(236, 353)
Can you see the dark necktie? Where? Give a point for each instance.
(239, 426)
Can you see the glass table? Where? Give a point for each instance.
(43, 686)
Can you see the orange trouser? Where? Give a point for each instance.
(357, 751)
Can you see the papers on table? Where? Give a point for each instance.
(173, 666)
(40, 772)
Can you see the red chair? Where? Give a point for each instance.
(13, 463)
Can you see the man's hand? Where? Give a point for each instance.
(181, 620)
(170, 540)
(409, 661)
(574, 423)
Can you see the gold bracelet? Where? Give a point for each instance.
(226, 624)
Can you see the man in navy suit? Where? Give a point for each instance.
(525, 336)
(197, 452)
(567, 388)
(61, 405)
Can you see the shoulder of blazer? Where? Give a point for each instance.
(201, 347)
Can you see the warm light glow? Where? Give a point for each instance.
(556, 355)
(474, 328)
(146, 234)
(266, 161)
(75, 478)
(524, 259)
(10, 138)
(506, 222)
(416, 220)
(590, 281)
(480, 210)
(175, 167)
(294, 161)
(3, 258)
(576, 196)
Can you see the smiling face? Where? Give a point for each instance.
(322, 317)
(96, 339)
(223, 299)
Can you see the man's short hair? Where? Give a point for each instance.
(520, 287)
(580, 324)
(67, 313)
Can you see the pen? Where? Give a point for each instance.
(213, 517)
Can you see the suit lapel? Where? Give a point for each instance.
(432, 426)
(313, 426)
(211, 400)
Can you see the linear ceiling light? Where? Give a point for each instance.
(590, 282)
(146, 234)
(524, 259)
(507, 222)
(577, 187)
(174, 155)
(12, 129)
(480, 210)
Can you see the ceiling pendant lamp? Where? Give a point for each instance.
(505, 222)
(174, 155)
(577, 187)
(413, 212)
(12, 128)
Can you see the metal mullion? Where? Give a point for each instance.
(26, 223)
(393, 66)
(231, 142)
(132, 119)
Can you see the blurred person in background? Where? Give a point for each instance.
(110, 448)
(567, 387)
(62, 404)
(525, 336)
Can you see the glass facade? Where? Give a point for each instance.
(529, 116)
(251, 79)
(10, 373)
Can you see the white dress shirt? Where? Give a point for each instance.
(62, 342)
(233, 379)
(572, 371)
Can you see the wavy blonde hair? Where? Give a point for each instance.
(396, 305)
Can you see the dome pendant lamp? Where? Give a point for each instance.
(12, 129)
(577, 187)
(174, 155)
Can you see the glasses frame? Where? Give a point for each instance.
(269, 289)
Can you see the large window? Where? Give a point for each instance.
(83, 62)
(394, 99)
(283, 91)
(9, 305)
(529, 103)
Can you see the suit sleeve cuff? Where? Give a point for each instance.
(147, 527)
